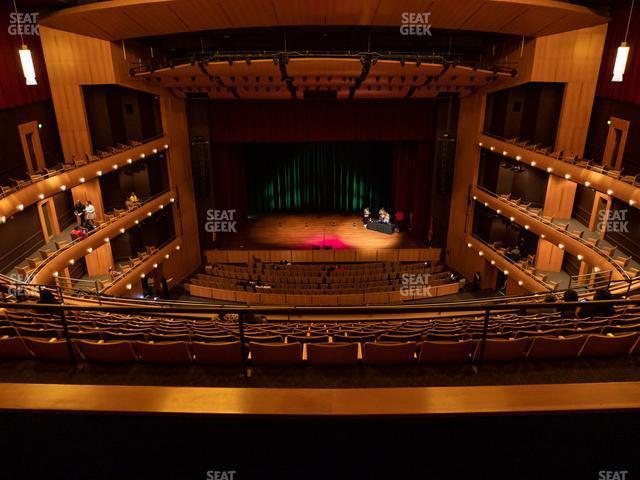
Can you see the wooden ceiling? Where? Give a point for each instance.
(304, 77)
(123, 19)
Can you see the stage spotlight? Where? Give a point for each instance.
(248, 61)
(230, 62)
(418, 61)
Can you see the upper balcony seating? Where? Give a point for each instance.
(592, 239)
(31, 178)
(116, 338)
(573, 159)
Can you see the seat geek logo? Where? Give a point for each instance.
(221, 221)
(415, 24)
(23, 24)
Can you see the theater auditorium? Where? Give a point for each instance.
(283, 239)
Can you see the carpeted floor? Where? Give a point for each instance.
(572, 371)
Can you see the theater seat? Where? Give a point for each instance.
(549, 348)
(389, 353)
(14, 347)
(55, 350)
(107, 352)
(446, 352)
(165, 352)
(220, 353)
(609, 345)
(504, 350)
(326, 354)
(308, 339)
(276, 353)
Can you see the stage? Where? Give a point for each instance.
(304, 231)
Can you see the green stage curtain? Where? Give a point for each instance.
(318, 177)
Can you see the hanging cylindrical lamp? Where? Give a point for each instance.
(623, 53)
(28, 70)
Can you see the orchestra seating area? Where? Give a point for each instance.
(325, 283)
(512, 337)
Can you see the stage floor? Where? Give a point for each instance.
(293, 231)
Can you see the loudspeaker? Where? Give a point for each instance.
(445, 158)
(328, 247)
(315, 247)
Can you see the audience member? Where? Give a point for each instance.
(590, 310)
(78, 211)
(90, 213)
(569, 296)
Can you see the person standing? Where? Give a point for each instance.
(78, 211)
(399, 216)
(90, 213)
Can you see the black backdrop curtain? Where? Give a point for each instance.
(318, 176)
(412, 185)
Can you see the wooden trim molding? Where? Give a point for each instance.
(430, 401)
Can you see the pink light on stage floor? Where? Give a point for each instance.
(334, 242)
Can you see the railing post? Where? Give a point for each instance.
(65, 330)
(98, 293)
(485, 331)
(241, 319)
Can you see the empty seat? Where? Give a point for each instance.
(165, 352)
(107, 352)
(326, 354)
(14, 347)
(221, 353)
(308, 339)
(55, 350)
(446, 352)
(549, 348)
(263, 338)
(388, 353)
(609, 345)
(399, 337)
(504, 350)
(354, 338)
(276, 353)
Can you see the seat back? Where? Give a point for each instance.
(220, 353)
(548, 348)
(14, 347)
(504, 350)
(446, 352)
(108, 352)
(609, 345)
(332, 354)
(276, 353)
(389, 353)
(165, 352)
(42, 349)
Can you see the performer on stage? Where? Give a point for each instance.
(365, 216)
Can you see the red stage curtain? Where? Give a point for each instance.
(326, 121)
(412, 180)
(229, 178)
(629, 89)
(13, 89)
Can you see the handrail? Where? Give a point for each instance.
(93, 232)
(630, 187)
(511, 261)
(141, 68)
(581, 240)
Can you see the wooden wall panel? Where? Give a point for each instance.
(99, 261)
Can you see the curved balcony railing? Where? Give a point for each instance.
(609, 182)
(62, 258)
(32, 192)
(546, 229)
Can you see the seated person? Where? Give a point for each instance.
(78, 233)
(514, 254)
(131, 201)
